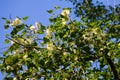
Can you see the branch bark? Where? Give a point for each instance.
(112, 66)
(27, 46)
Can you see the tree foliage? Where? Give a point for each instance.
(67, 48)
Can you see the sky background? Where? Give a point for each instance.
(35, 9)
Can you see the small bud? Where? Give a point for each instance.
(15, 78)
(48, 33)
(64, 21)
(37, 25)
(25, 57)
(50, 46)
(16, 22)
(64, 53)
(65, 12)
(32, 28)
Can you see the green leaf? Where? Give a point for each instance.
(7, 41)
(41, 32)
(1, 58)
(6, 26)
(4, 18)
(50, 11)
(52, 19)
(17, 29)
(7, 35)
(46, 39)
(7, 21)
(57, 7)
(25, 18)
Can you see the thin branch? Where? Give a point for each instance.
(27, 46)
(112, 66)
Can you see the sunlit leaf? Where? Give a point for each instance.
(25, 18)
(7, 41)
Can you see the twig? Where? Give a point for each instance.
(27, 46)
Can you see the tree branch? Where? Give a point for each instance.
(27, 46)
(112, 66)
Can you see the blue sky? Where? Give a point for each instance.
(35, 9)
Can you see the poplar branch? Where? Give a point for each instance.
(112, 66)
